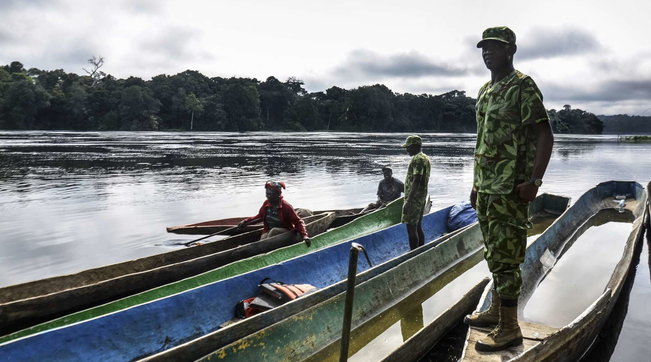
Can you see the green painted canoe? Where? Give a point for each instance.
(366, 224)
(26, 304)
(309, 327)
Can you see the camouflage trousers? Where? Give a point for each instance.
(412, 212)
(503, 220)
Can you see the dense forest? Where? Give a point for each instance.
(623, 123)
(56, 100)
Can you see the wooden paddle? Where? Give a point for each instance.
(213, 234)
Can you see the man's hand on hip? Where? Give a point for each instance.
(527, 191)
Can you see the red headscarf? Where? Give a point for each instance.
(275, 185)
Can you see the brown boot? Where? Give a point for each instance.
(506, 334)
(488, 318)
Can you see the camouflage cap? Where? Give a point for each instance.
(500, 33)
(413, 140)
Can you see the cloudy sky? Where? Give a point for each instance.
(594, 55)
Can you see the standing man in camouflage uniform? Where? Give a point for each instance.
(415, 191)
(514, 144)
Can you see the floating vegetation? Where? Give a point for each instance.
(635, 139)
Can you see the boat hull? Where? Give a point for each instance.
(569, 343)
(434, 264)
(342, 216)
(27, 304)
(369, 223)
(213, 226)
(162, 323)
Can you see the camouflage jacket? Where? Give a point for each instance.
(506, 148)
(419, 165)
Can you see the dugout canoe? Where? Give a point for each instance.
(568, 343)
(213, 226)
(34, 302)
(342, 216)
(366, 224)
(159, 319)
(345, 216)
(310, 327)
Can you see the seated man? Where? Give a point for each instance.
(278, 216)
(388, 190)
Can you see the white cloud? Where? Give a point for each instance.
(543, 42)
(579, 51)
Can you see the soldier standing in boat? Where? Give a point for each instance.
(514, 145)
(415, 191)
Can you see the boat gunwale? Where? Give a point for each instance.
(15, 318)
(195, 349)
(369, 223)
(596, 313)
(211, 226)
(236, 331)
(614, 285)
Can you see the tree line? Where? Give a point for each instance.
(623, 123)
(53, 99)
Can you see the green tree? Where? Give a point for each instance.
(138, 109)
(16, 67)
(371, 109)
(575, 121)
(193, 104)
(214, 117)
(332, 106)
(102, 102)
(22, 100)
(242, 105)
(304, 115)
(275, 100)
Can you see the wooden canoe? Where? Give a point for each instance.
(570, 342)
(347, 215)
(170, 315)
(297, 330)
(26, 304)
(213, 226)
(369, 223)
(342, 217)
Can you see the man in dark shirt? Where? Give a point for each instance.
(388, 190)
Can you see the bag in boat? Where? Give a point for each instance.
(243, 308)
(271, 295)
(461, 215)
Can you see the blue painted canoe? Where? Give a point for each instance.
(27, 304)
(152, 327)
(312, 328)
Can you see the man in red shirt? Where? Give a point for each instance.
(278, 216)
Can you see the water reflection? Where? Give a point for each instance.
(377, 337)
(604, 244)
(382, 334)
(288, 154)
(73, 200)
(604, 344)
(411, 321)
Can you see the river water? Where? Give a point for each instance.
(70, 201)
